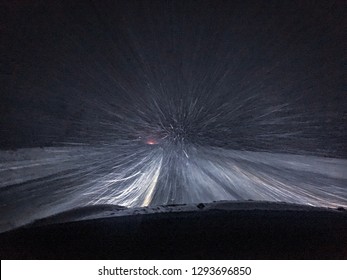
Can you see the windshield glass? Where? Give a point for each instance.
(152, 103)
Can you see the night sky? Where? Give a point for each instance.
(140, 103)
(283, 59)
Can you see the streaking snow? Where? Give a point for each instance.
(37, 183)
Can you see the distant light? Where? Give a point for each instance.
(151, 142)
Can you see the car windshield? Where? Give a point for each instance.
(135, 104)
